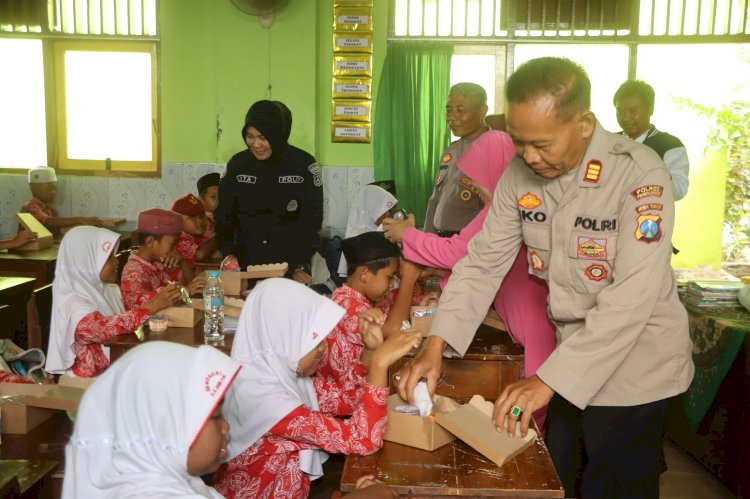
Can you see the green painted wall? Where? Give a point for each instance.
(216, 61)
(699, 215)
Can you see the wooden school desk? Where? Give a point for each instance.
(44, 446)
(15, 292)
(456, 469)
(37, 264)
(120, 344)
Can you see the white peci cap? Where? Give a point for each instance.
(42, 175)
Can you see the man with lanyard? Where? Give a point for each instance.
(453, 204)
(596, 212)
(634, 101)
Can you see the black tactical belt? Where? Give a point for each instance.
(446, 233)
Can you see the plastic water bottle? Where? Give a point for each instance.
(213, 309)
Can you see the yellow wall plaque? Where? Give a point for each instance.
(352, 42)
(352, 88)
(352, 19)
(352, 65)
(352, 3)
(350, 132)
(351, 110)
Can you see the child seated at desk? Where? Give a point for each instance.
(87, 305)
(372, 264)
(151, 425)
(282, 421)
(193, 245)
(208, 192)
(155, 264)
(43, 185)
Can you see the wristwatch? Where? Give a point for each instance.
(304, 267)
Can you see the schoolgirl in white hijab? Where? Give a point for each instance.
(269, 386)
(78, 290)
(371, 204)
(151, 425)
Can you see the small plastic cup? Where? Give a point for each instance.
(158, 323)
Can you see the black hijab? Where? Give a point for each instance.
(270, 119)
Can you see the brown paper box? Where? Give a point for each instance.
(472, 423)
(233, 284)
(232, 306)
(424, 323)
(31, 405)
(416, 431)
(44, 237)
(182, 316)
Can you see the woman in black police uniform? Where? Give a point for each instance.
(271, 197)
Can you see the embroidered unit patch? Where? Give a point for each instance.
(596, 272)
(529, 201)
(645, 191)
(649, 207)
(649, 228)
(591, 248)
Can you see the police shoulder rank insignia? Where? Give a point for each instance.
(649, 228)
(529, 201)
(592, 248)
(646, 191)
(446, 157)
(536, 262)
(593, 171)
(465, 195)
(596, 272)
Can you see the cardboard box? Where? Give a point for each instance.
(44, 237)
(415, 431)
(232, 306)
(182, 316)
(472, 423)
(24, 407)
(236, 282)
(421, 318)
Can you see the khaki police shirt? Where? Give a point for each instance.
(452, 204)
(600, 235)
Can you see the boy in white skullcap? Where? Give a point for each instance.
(43, 184)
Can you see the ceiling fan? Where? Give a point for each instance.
(263, 9)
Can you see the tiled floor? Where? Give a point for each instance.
(686, 479)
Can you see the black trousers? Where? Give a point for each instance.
(618, 449)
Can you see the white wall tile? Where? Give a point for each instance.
(335, 205)
(191, 172)
(14, 192)
(8, 227)
(127, 197)
(63, 201)
(358, 177)
(89, 196)
(161, 193)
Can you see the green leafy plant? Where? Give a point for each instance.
(730, 132)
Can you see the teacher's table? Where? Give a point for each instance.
(38, 264)
(193, 337)
(711, 421)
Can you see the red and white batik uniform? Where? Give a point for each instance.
(141, 280)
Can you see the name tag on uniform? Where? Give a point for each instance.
(246, 179)
(291, 179)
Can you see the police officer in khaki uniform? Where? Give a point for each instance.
(454, 204)
(596, 211)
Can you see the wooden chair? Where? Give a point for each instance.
(39, 312)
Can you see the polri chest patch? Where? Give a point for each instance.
(291, 179)
(592, 248)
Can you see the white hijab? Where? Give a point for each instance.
(367, 206)
(77, 290)
(138, 420)
(281, 322)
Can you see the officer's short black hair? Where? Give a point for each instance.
(475, 93)
(559, 77)
(636, 87)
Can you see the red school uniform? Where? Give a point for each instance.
(187, 245)
(270, 467)
(141, 280)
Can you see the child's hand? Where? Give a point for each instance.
(409, 271)
(23, 237)
(369, 488)
(368, 323)
(171, 260)
(196, 285)
(166, 297)
(396, 346)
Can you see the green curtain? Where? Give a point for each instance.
(409, 131)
